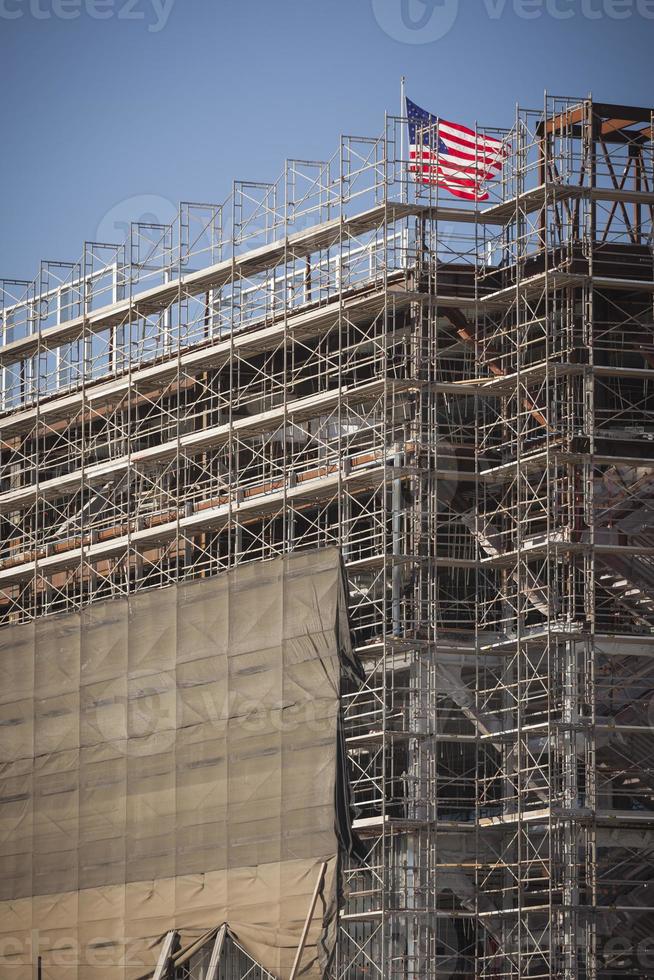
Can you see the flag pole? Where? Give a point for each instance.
(405, 190)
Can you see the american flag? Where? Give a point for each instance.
(450, 155)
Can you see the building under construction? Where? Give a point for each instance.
(458, 401)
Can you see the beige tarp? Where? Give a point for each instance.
(170, 761)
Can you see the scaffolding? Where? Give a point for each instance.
(457, 396)
(218, 955)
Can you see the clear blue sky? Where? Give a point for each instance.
(113, 108)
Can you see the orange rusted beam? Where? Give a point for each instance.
(564, 119)
(613, 125)
(457, 319)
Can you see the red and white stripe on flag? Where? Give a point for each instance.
(456, 158)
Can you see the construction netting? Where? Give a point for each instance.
(172, 761)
